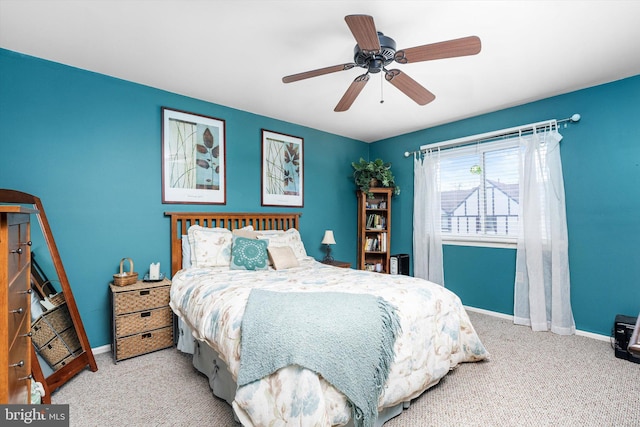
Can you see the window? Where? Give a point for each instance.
(479, 189)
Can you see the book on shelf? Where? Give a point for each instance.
(376, 221)
(377, 243)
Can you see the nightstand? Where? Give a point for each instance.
(336, 263)
(142, 319)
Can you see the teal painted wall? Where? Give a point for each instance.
(89, 146)
(601, 167)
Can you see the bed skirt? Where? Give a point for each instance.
(207, 361)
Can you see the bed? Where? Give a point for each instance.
(215, 295)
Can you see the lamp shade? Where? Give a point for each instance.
(328, 238)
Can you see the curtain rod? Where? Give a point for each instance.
(490, 135)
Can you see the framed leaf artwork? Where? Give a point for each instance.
(282, 169)
(193, 158)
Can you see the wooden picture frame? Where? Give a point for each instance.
(282, 169)
(193, 158)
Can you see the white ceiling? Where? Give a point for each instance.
(235, 52)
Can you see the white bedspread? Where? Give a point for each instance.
(436, 336)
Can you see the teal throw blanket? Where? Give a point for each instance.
(346, 338)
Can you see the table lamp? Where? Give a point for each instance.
(328, 240)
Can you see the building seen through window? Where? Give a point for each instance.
(479, 188)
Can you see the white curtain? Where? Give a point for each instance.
(427, 238)
(542, 285)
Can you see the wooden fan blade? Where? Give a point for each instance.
(409, 87)
(449, 49)
(364, 31)
(352, 93)
(318, 72)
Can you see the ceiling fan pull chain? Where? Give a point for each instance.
(381, 89)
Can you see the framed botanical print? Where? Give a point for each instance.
(282, 169)
(193, 158)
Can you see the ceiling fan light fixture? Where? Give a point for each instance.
(375, 61)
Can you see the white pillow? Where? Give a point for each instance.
(270, 232)
(186, 251)
(210, 247)
(290, 238)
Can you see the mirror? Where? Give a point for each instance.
(60, 347)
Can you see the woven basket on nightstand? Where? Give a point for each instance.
(125, 277)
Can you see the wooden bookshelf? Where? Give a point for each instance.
(374, 230)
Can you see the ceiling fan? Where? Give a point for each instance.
(374, 52)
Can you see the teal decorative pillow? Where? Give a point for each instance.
(248, 254)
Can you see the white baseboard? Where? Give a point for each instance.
(509, 317)
(594, 336)
(102, 349)
(489, 313)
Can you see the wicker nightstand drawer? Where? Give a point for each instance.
(134, 323)
(143, 343)
(142, 318)
(131, 301)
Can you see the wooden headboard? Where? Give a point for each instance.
(181, 221)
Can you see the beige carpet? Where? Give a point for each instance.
(532, 379)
